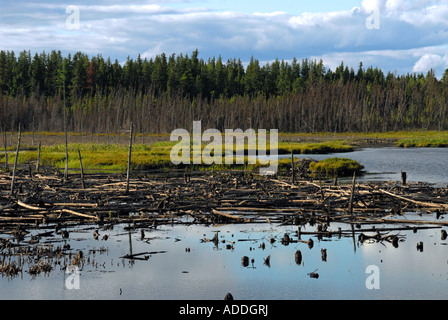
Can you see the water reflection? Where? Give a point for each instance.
(251, 261)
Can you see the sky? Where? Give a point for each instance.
(400, 36)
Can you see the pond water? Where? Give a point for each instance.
(178, 264)
(428, 165)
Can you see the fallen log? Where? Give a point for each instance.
(79, 214)
(440, 223)
(71, 204)
(420, 203)
(30, 207)
(8, 206)
(228, 215)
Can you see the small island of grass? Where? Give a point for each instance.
(339, 167)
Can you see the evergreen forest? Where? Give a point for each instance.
(46, 91)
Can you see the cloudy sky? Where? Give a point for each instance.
(396, 35)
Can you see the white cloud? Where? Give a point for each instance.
(411, 37)
(430, 61)
(142, 9)
(433, 15)
(370, 5)
(270, 14)
(320, 18)
(421, 60)
(393, 5)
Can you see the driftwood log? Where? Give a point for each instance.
(211, 197)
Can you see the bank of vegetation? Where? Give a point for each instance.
(424, 142)
(336, 167)
(98, 157)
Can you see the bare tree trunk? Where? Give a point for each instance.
(6, 152)
(292, 167)
(66, 139)
(15, 161)
(38, 158)
(128, 174)
(82, 170)
(352, 193)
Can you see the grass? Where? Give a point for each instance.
(314, 148)
(97, 156)
(349, 136)
(113, 157)
(102, 156)
(423, 142)
(406, 139)
(340, 167)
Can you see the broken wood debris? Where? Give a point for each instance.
(211, 198)
(137, 256)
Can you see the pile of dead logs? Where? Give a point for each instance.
(52, 203)
(207, 198)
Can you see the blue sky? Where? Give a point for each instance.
(403, 36)
(291, 6)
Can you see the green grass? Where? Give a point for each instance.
(348, 136)
(314, 148)
(156, 154)
(423, 142)
(98, 156)
(407, 139)
(336, 167)
(113, 157)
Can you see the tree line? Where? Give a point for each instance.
(168, 92)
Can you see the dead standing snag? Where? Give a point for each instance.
(128, 172)
(15, 162)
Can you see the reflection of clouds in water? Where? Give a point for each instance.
(207, 273)
(178, 274)
(406, 272)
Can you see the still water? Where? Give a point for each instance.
(428, 165)
(177, 262)
(183, 266)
